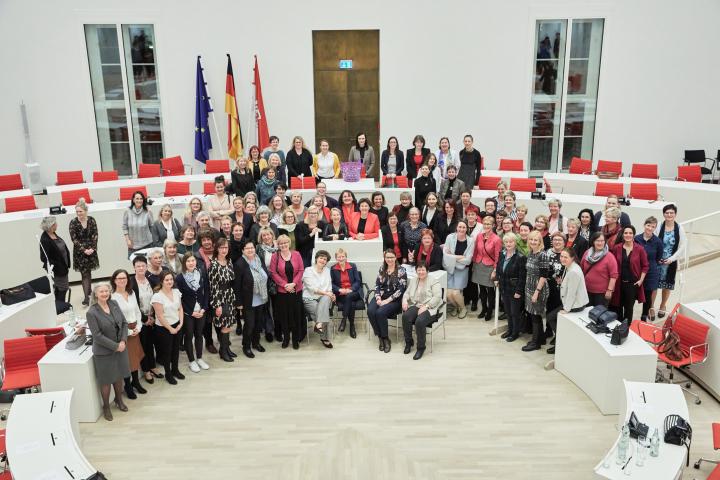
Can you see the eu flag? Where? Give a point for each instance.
(203, 144)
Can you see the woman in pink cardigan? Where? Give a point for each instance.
(286, 269)
(600, 269)
(487, 253)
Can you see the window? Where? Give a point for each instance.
(123, 74)
(565, 90)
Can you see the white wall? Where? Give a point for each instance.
(447, 68)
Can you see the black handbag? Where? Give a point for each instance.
(11, 296)
(678, 432)
(620, 333)
(600, 314)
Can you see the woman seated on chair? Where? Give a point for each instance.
(420, 304)
(387, 300)
(428, 253)
(347, 287)
(318, 295)
(363, 224)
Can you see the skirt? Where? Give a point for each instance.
(458, 279)
(111, 368)
(135, 352)
(481, 275)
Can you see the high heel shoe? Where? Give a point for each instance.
(121, 406)
(107, 413)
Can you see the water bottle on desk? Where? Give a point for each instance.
(623, 445)
(655, 444)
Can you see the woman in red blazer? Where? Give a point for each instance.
(286, 269)
(633, 265)
(487, 253)
(364, 225)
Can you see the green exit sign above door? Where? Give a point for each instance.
(345, 64)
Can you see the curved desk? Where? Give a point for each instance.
(41, 438)
(596, 366)
(651, 402)
(38, 312)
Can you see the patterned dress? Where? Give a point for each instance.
(84, 238)
(537, 267)
(221, 292)
(668, 246)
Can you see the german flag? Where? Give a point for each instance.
(235, 147)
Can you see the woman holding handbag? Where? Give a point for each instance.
(222, 297)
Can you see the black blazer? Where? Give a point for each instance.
(57, 259)
(382, 215)
(410, 161)
(353, 274)
(580, 245)
(255, 230)
(434, 263)
(298, 164)
(241, 183)
(423, 186)
(304, 242)
(244, 283)
(512, 277)
(236, 247)
(442, 229)
(331, 202)
(159, 233)
(387, 238)
(399, 162)
(189, 296)
(342, 232)
(624, 220)
(435, 219)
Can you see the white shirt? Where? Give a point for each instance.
(129, 308)
(326, 165)
(312, 281)
(451, 158)
(170, 307)
(168, 227)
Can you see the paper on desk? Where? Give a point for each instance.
(28, 447)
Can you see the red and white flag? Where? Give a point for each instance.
(260, 118)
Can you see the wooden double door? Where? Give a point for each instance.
(347, 100)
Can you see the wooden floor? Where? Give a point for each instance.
(477, 407)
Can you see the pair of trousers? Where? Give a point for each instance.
(552, 316)
(470, 293)
(149, 342)
(421, 322)
(647, 304)
(487, 297)
(513, 309)
(597, 299)
(193, 331)
(628, 296)
(253, 325)
(346, 302)
(207, 326)
(169, 349)
(378, 316)
(319, 311)
(290, 313)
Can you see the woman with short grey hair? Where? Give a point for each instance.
(55, 256)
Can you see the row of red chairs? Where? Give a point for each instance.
(685, 173)
(23, 354)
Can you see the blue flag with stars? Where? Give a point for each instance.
(203, 144)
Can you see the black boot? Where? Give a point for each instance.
(341, 327)
(381, 345)
(136, 383)
(224, 355)
(353, 333)
(247, 351)
(227, 346)
(129, 389)
(386, 349)
(408, 347)
(418, 354)
(169, 376)
(534, 344)
(256, 345)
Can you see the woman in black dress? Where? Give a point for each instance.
(378, 207)
(298, 159)
(84, 235)
(55, 255)
(470, 163)
(222, 297)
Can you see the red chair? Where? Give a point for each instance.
(10, 182)
(605, 189)
(70, 177)
(20, 204)
(105, 176)
(689, 173)
(177, 189)
(402, 181)
(52, 336)
(644, 191)
(608, 166)
(148, 170)
(580, 166)
(523, 184)
(126, 193)
(512, 165)
(172, 166)
(716, 446)
(488, 183)
(217, 166)
(208, 188)
(309, 183)
(21, 358)
(295, 183)
(71, 197)
(644, 170)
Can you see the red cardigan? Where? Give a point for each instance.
(487, 251)
(372, 225)
(277, 271)
(638, 264)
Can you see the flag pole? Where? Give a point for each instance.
(212, 112)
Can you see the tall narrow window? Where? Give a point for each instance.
(122, 60)
(565, 92)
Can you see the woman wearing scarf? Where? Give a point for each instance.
(251, 293)
(265, 249)
(193, 286)
(611, 229)
(265, 188)
(600, 271)
(287, 227)
(427, 253)
(587, 226)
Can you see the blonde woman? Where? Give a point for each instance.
(84, 236)
(538, 272)
(325, 163)
(165, 227)
(521, 213)
(241, 179)
(298, 159)
(171, 259)
(219, 205)
(287, 226)
(194, 208)
(277, 208)
(457, 256)
(274, 162)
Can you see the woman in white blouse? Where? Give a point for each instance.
(325, 163)
(169, 315)
(126, 300)
(318, 295)
(219, 204)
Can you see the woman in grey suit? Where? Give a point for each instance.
(109, 331)
(165, 227)
(362, 152)
(420, 304)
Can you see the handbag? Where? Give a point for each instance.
(620, 333)
(11, 296)
(678, 432)
(670, 346)
(271, 285)
(600, 314)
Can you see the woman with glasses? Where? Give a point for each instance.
(390, 286)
